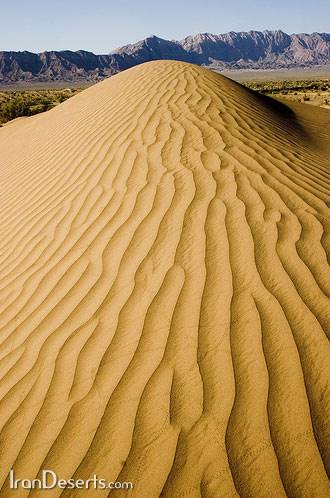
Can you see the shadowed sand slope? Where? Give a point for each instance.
(164, 290)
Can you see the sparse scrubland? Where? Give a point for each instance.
(315, 92)
(18, 103)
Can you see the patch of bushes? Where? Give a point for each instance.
(287, 85)
(15, 104)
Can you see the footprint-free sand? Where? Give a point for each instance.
(164, 283)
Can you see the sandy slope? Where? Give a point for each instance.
(163, 290)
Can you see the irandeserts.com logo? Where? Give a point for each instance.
(50, 480)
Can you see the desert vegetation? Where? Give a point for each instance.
(18, 103)
(315, 92)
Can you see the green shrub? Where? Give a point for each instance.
(15, 104)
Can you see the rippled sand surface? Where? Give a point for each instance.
(164, 290)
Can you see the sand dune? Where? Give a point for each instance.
(164, 290)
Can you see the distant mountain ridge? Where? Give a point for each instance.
(243, 50)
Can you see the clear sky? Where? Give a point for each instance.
(101, 25)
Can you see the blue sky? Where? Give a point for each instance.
(100, 26)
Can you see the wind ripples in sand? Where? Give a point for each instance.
(164, 291)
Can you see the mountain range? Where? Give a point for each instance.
(243, 50)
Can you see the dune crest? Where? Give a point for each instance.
(164, 290)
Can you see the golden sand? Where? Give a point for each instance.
(163, 290)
